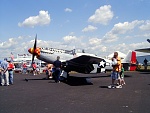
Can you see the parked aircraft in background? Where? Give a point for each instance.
(145, 50)
(71, 61)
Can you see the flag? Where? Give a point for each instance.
(12, 57)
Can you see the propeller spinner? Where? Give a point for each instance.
(35, 51)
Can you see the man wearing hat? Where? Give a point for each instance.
(4, 73)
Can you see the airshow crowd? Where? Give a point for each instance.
(7, 69)
(6, 72)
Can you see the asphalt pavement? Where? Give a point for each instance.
(82, 93)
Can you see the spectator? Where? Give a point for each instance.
(37, 69)
(57, 65)
(115, 75)
(34, 68)
(49, 71)
(122, 75)
(4, 73)
(24, 66)
(145, 64)
(10, 71)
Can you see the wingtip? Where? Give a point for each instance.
(148, 40)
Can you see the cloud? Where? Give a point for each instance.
(146, 26)
(42, 19)
(109, 37)
(94, 41)
(68, 10)
(70, 38)
(7, 44)
(95, 45)
(14, 45)
(102, 15)
(121, 28)
(89, 28)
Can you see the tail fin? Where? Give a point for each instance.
(133, 57)
(130, 60)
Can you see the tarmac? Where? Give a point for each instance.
(82, 93)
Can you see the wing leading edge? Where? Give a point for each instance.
(145, 50)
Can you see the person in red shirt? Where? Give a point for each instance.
(34, 68)
(10, 71)
(24, 66)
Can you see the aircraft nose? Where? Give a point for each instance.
(31, 50)
(34, 51)
(37, 51)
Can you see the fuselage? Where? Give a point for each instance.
(50, 54)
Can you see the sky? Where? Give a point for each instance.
(98, 26)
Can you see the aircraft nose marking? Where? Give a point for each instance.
(34, 51)
(37, 51)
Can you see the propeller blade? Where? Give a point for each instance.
(34, 47)
(35, 43)
(33, 58)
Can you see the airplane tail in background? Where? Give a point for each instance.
(130, 60)
(133, 57)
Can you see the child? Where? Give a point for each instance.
(122, 75)
(114, 61)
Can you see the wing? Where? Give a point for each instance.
(82, 64)
(145, 50)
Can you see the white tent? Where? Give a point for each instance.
(120, 54)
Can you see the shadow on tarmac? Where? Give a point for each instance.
(145, 73)
(127, 75)
(103, 87)
(78, 81)
(29, 79)
(72, 81)
(101, 76)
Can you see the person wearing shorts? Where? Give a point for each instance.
(115, 75)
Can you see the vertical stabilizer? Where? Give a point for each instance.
(127, 58)
(130, 58)
(130, 61)
(133, 57)
(133, 61)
